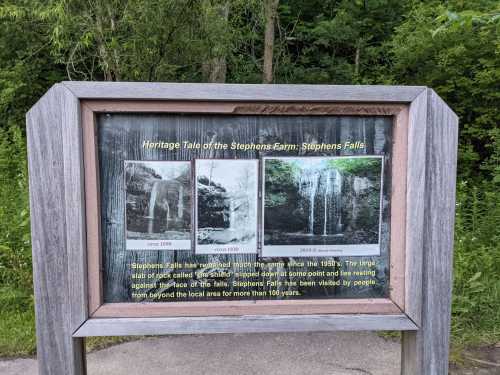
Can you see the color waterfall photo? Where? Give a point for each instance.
(322, 206)
(158, 205)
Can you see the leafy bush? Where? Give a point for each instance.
(17, 317)
(15, 249)
(476, 293)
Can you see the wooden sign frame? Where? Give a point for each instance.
(64, 196)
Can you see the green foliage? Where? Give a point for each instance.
(280, 179)
(338, 42)
(17, 322)
(452, 46)
(476, 294)
(357, 166)
(455, 49)
(15, 249)
(125, 40)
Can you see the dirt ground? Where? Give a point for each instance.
(479, 361)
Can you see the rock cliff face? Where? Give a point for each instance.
(213, 205)
(155, 205)
(325, 202)
(361, 209)
(219, 209)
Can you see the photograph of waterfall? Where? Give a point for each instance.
(322, 206)
(158, 205)
(226, 209)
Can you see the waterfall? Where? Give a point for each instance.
(168, 214)
(180, 202)
(312, 197)
(338, 201)
(311, 181)
(231, 214)
(308, 188)
(327, 192)
(151, 206)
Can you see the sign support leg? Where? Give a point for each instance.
(57, 228)
(426, 351)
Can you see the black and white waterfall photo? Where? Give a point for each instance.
(158, 205)
(226, 208)
(322, 206)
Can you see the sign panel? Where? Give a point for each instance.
(232, 207)
(158, 205)
(226, 206)
(322, 206)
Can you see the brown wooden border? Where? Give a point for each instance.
(393, 305)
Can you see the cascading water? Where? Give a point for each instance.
(326, 185)
(338, 200)
(180, 202)
(312, 200)
(151, 206)
(308, 187)
(232, 216)
(327, 192)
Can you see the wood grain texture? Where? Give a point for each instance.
(398, 208)
(243, 324)
(234, 92)
(92, 205)
(227, 308)
(74, 209)
(243, 108)
(426, 352)
(415, 182)
(57, 227)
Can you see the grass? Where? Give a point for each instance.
(17, 327)
(476, 287)
(98, 343)
(17, 323)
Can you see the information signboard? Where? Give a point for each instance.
(300, 205)
(190, 208)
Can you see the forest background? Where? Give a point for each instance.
(452, 46)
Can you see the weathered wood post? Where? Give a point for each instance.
(57, 204)
(426, 351)
(407, 135)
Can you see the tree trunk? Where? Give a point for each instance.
(357, 58)
(115, 59)
(215, 69)
(108, 58)
(270, 14)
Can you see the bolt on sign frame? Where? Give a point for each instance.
(65, 220)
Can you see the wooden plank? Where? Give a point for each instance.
(74, 208)
(243, 108)
(92, 206)
(415, 182)
(398, 208)
(426, 352)
(57, 231)
(234, 92)
(227, 308)
(242, 324)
